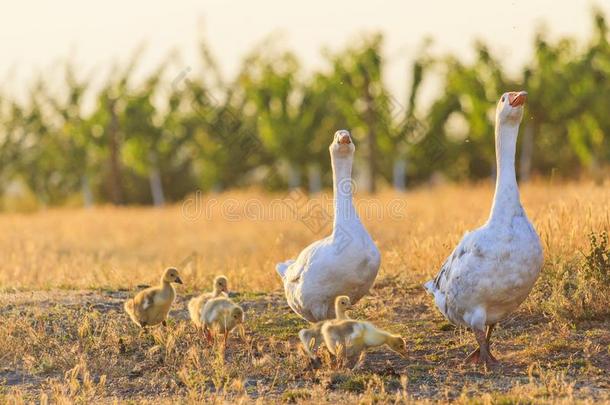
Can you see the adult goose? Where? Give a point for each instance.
(344, 263)
(493, 269)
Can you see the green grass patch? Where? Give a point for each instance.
(282, 327)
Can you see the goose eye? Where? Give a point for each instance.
(502, 99)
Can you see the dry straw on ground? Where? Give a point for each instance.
(64, 274)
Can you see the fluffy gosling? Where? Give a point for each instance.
(221, 314)
(311, 337)
(151, 306)
(349, 339)
(220, 289)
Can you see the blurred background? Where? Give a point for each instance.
(145, 104)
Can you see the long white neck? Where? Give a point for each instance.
(506, 201)
(342, 189)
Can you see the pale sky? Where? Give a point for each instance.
(37, 35)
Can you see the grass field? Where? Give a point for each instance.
(64, 274)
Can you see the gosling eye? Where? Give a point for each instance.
(502, 99)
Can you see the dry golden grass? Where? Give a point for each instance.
(118, 248)
(64, 274)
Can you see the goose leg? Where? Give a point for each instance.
(207, 334)
(356, 361)
(143, 330)
(309, 343)
(475, 356)
(484, 356)
(490, 329)
(203, 332)
(310, 350)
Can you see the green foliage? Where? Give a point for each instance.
(579, 289)
(597, 260)
(272, 123)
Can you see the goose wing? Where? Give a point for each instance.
(464, 252)
(307, 259)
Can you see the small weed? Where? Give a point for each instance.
(295, 395)
(578, 289)
(353, 383)
(597, 260)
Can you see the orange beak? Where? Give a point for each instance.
(516, 99)
(345, 140)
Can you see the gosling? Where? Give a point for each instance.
(196, 304)
(220, 314)
(349, 340)
(311, 338)
(151, 306)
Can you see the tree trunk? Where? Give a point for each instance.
(315, 179)
(114, 144)
(294, 176)
(399, 174)
(154, 178)
(86, 190)
(156, 187)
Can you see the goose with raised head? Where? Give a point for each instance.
(344, 263)
(493, 269)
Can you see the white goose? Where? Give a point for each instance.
(344, 263)
(492, 269)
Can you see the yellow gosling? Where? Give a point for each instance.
(222, 315)
(311, 337)
(151, 306)
(195, 305)
(349, 339)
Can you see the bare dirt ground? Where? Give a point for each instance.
(80, 346)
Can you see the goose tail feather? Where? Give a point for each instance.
(282, 267)
(429, 286)
(128, 306)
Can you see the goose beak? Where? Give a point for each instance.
(345, 139)
(179, 280)
(516, 99)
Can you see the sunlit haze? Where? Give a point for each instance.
(35, 37)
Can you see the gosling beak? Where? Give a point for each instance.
(179, 280)
(516, 99)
